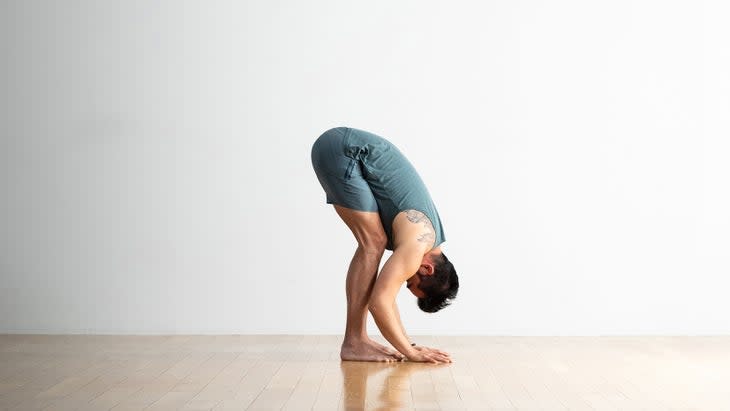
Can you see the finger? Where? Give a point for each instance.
(437, 359)
(436, 350)
(442, 353)
(444, 358)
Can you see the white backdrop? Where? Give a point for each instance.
(156, 175)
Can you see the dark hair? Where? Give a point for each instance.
(440, 288)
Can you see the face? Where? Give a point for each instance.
(426, 269)
(412, 285)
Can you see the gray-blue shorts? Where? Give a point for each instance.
(340, 172)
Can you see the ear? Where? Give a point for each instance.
(426, 269)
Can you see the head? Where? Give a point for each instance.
(435, 283)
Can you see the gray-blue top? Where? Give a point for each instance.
(393, 180)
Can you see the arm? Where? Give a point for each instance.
(398, 268)
(397, 315)
(402, 263)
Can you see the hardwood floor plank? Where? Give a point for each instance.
(293, 372)
(251, 385)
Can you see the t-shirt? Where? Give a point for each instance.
(393, 180)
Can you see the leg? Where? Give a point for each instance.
(342, 179)
(371, 240)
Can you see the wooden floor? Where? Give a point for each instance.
(304, 372)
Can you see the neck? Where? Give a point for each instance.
(435, 251)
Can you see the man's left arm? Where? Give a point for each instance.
(402, 264)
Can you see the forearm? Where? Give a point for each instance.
(400, 322)
(387, 319)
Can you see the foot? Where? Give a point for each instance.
(364, 352)
(386, 350)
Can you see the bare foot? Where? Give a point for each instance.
(364, 352)
(386, 350)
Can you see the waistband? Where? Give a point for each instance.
(346, 138)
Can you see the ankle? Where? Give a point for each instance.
(354, 341)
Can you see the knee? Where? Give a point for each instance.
(373, 244)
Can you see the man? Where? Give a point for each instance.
(384, 202)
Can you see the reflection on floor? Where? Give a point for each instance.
(388, 385)
(235, 372)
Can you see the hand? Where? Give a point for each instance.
(426, 354)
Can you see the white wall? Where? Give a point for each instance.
(156, 174)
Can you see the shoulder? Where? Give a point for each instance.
(413, 227)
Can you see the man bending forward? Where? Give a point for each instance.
(382, 199)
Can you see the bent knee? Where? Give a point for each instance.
(373, 244)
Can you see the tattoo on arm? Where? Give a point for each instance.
(428, 235)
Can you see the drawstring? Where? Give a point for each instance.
(358, 155)
(350, 166)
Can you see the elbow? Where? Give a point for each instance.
(372, 308)
(376, 306)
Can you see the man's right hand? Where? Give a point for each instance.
(426, 354)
